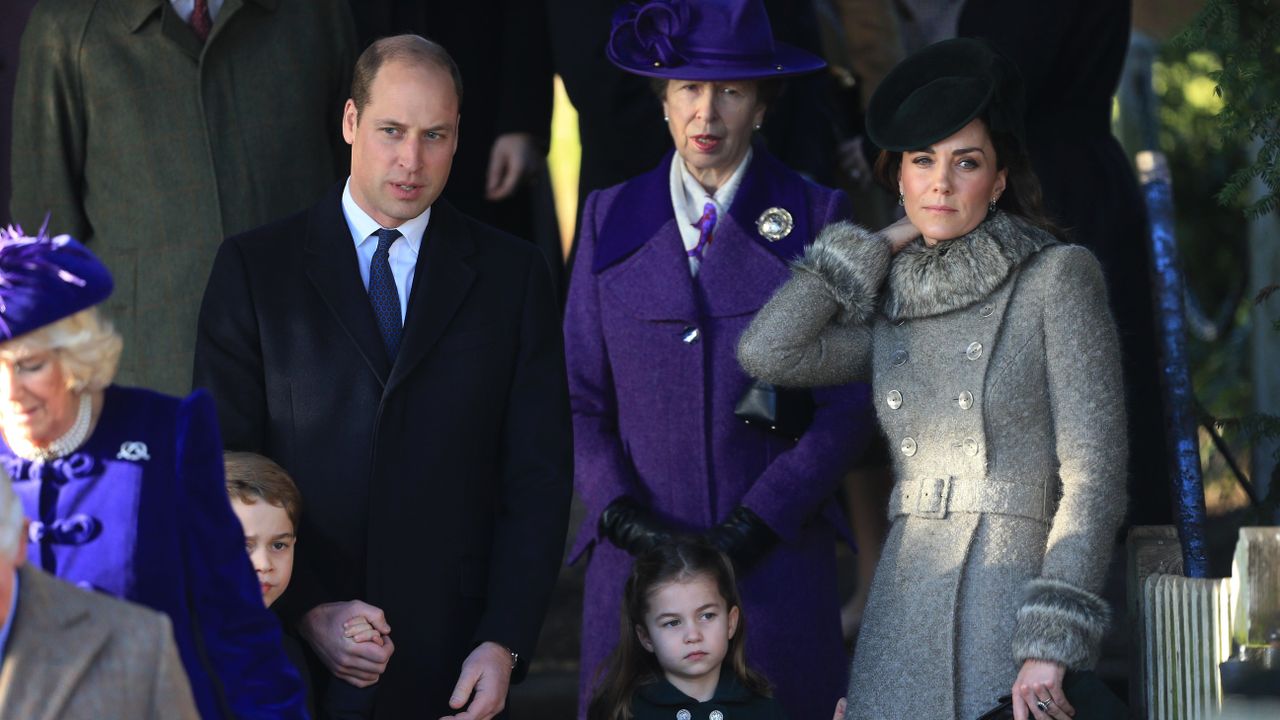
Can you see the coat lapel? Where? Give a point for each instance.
(743, 268)
(334, 270)
(440, 284)
(51, 647)
(640, 257)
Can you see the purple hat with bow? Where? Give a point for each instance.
(703, 40)
(44, 279)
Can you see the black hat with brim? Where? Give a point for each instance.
(940, 89)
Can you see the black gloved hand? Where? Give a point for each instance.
(632, 527)
(744, 537)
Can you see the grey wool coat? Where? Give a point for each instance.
(151, 147)
(996, 377)
(80, 655)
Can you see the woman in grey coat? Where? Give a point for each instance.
(996, 377)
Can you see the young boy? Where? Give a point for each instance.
(269, 506)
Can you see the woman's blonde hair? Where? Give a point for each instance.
(85, 344)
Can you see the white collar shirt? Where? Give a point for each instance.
(688, 198)
(185, 8)
(403, 254)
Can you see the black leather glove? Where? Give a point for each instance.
(632, 527)
(744, 537)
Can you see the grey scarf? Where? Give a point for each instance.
(925, 281)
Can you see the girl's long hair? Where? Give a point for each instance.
(631, 666)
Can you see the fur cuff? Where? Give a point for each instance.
(1060, 622)
(851, 262)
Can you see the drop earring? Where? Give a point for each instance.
(902, 200)
(991, 207)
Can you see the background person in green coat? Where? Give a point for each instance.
(152, 143)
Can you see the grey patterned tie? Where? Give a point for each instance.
(382, 292)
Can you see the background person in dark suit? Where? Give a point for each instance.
(434, 454)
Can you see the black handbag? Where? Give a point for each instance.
(1090, 697)
(783, 411)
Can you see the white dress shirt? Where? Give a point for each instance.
(403, 254)
(688, 198)
(185, 8)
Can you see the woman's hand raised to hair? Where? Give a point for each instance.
(900, 234)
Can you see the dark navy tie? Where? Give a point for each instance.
(382, 292)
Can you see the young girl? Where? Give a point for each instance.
(682, 650)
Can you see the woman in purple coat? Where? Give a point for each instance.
(671, 267)
(123, 487)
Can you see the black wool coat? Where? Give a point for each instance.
(435, 487)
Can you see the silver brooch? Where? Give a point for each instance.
(133, 451)
(716, 715)
(684, 715)
(775, 224)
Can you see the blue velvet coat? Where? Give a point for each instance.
(653, 416)
(140, 512)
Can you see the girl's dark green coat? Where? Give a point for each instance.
(662, 701)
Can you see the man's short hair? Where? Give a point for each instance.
(252, 477)
(413, 49)
(10, 517)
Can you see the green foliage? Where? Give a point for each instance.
(1251, 428)
(1246, 35)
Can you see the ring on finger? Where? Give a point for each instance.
(1043, 704)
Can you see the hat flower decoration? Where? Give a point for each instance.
(652, 30)
(44, 279)
(703, 40)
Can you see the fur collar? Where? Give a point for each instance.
(925, 281)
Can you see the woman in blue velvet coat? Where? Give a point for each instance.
(123, 487)
(671, 267)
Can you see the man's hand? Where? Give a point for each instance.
(487, 673)
(360, 664)
(513, 158)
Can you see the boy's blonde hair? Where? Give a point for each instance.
(252, 477)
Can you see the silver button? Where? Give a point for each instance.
(965, 400)
(974, 351)
(987, 310)
(899, 358)
(894, 399)
(908, 446)
(683, 714)
(690, 335)
(715, 715)
(970, 446)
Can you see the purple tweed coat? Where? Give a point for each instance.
(653, 416)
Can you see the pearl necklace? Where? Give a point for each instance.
(64, 445)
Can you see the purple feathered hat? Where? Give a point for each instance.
(703, 40)
(44, 279)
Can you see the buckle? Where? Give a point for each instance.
(932, 496)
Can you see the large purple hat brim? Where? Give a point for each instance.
(43, 280)
(787, 61)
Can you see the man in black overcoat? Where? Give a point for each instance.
(404, 362)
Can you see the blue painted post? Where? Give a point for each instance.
(1175, 376)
